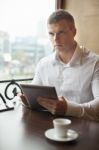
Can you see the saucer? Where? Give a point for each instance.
(71, 135)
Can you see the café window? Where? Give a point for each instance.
(23, 36)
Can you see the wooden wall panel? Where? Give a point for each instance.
(86, 14)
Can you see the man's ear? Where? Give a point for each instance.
(74, 31)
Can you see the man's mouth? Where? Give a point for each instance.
(58, 45)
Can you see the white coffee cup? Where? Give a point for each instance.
(61, 126)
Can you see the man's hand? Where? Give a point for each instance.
(57, 107)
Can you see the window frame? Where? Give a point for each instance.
(60, 4)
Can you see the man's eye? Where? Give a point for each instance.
(51, 34)
(62, 32)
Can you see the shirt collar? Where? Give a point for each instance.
(75, 60)
(77, 56)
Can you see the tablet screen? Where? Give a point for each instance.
(32, 92)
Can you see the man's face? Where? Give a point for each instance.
(61, 35)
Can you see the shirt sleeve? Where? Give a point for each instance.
(90, 109)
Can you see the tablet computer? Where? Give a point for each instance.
(32, 92)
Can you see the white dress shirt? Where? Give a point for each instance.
(77, 81)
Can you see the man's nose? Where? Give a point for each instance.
(56, 37)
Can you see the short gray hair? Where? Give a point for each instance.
(59, 15)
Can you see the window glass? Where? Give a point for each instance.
(23, 36)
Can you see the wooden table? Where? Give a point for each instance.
(23, 129)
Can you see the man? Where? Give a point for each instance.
(72, 69)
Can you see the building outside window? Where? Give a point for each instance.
(23, 36)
